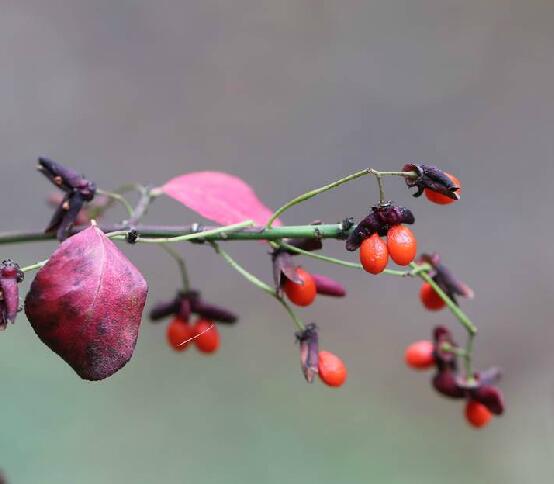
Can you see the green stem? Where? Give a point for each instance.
(222, 233)
(335, 184)
(379, 178)
(340, 262)
(242, 271)
(296, 320)
(119, 198)
(118, 235)
(405, 174)
(467, 357)
(460, 315)
(313, 193)
(159, 232)
(454, 308)
(33, 267)
(129, 187)
(258, 283)
(419, 268)
(181, 263)
(448, 348)
(146, 196)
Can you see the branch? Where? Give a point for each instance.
(324, 231)
(147, 194)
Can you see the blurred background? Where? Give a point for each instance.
(289, 95)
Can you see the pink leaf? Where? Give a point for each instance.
(220, 197)
(86, 304)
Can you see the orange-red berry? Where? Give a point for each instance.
(419, 355)
(331, 369)
(206, 336)
(179, 331)
(402, 244)
(477, 414)
(439, 198)
(374, 255)
(429, 297)
(301, 294)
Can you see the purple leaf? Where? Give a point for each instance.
(86, 304)
(220, 197)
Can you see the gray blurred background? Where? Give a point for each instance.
(289, 95)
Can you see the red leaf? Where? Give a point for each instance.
(220, 197)
(86, 304)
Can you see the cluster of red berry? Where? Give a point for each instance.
(203, 333)
(401, 246)
(483, 399)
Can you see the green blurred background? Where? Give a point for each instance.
(289, 95)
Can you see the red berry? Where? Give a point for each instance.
(477, 414)
(419, 355)
(179, 331)
(331, 369)
(439, 198)
(402, 244)
(206, 336)
(374, 255)
(301, 294)
(429, 297)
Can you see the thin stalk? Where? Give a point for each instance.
(118, 235)
(467, 357)
(129, 187)
(222, 232)
(455, 309)
(337, 183)
(119, 198)
(242, 271)
(35, 266)
(299, 324)
(379, 178)
(141, 207)
(448, 348)
(340, 262)
(404, 174)
(425, 267)
(181, 263)
(258, 283)
(461, 316)
(313, 193)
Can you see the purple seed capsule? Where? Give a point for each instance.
(309, 351)
(328, 287)
(446, 383)
(78, 191)
(10, 277)
(433, 178)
